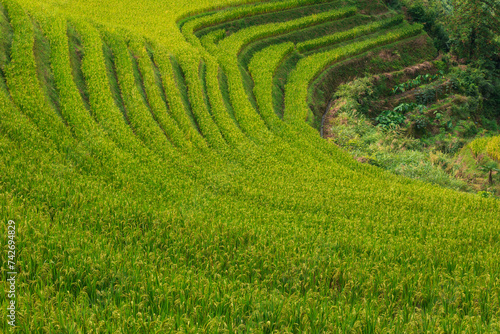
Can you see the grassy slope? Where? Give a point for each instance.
(118, 231)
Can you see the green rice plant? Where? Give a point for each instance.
(229, 48)
(228, 127)
(190, 27)
(234, 43)
(262, 68)
(103, 107)
(94, 144)
(478, 145)
(200, 109)
(23, 83)
(138, 114)
(18, 128)
(155, 100)
(209, 40)
(493, 148)
(179, 113)
(349, 34)
(245, 114)
(71, 105)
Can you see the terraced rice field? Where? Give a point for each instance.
(162, 165)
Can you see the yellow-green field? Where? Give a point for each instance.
(158, 160)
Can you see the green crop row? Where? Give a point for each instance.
(226, 124)
(138, 114)
(349, 34)
(208, 128)
(209, 40)
(190, 27)
(234, 43)
(71, 104)
(70, 101)
(23, 83)
(93, 147)
(219, 110)
(228, 127)
(229, 48)
(172, 93)
(103, 159)
(296, 90)
(262, 68)
(101, 101)
(261, 85)
(154, 96)
(245, 113)
(493, 148)
(79, 118)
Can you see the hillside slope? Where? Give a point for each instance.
(158, 161)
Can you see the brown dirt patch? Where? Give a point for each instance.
(388, 55)
(363, 160)
(330, 116)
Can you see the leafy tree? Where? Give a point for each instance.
(490, 167)
(428, 14)
(473, 26)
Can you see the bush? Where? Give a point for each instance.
(473, 82)
(355, 89)
(489, 124)
(407, 107)
(390, 119)
(485, 194)
(421, 121)
(466, 129)
(426, 96)
(429, 17)
(441, 65)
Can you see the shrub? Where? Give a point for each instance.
(403, 108)
(466, 128)
(390, 119)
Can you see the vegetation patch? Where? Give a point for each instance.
(406, 53)
(438, 113)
